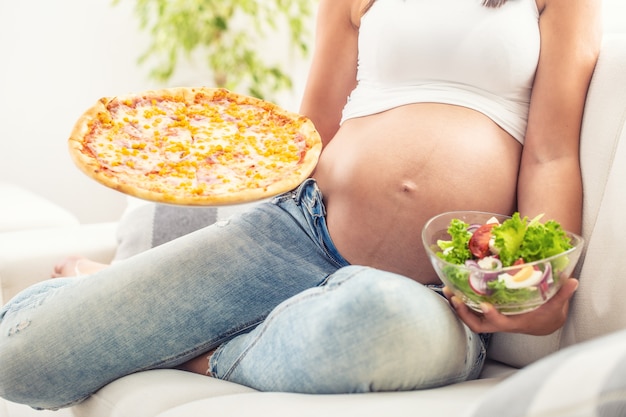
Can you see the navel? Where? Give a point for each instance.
(408, 187)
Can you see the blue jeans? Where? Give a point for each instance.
(267, 287)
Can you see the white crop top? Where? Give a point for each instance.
(448, 51)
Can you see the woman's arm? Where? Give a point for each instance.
(549, 178)
(333, 68)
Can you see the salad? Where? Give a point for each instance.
(500, 258)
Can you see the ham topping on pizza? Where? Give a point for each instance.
(202, 146)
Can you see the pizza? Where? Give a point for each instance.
(194, 146)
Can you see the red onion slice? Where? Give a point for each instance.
(478, 278)
(544, 284)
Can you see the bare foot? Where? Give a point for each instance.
(198, 365)
(74, 266)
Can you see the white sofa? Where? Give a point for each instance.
(516, 380)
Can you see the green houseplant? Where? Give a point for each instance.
(237, 40)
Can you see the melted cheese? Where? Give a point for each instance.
(202, 148)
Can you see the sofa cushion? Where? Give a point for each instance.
(596, 308)
(28, 257)
(185, 394)
(148, 393)
(588, 379)
(145, 225)
(22, 209)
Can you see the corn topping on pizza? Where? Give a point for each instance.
(194, 146)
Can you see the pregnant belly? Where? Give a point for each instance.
(384, 176)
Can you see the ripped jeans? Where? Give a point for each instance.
(267, 288)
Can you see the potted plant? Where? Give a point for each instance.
(240, 42)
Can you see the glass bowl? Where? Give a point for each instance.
(511, 290)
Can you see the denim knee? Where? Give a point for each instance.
(412, 338)
(365, 330)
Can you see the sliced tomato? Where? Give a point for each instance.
(479, 242)
(518, 262)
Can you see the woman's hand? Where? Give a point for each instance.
(542, 321)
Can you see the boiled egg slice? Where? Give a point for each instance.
(527, 276)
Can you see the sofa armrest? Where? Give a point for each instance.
(597, 307)
(28, 256)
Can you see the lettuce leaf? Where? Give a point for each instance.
(531, 240)
(456, 250)
(509, 237)
(515, 238)
(501, 295)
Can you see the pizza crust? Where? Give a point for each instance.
(85, 132)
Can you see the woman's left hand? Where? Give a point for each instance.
(541, 321)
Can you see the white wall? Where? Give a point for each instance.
(56, 59)
(59, 57)
(614, 12)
